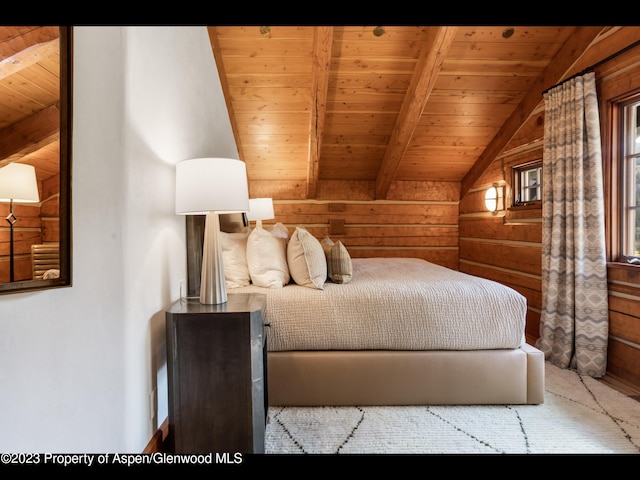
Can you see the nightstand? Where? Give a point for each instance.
(217, 374)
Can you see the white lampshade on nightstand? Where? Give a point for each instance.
(211, 186)
(260, 209)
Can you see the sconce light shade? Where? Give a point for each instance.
(211, 186)
(491, 199)
(18, 183)
(260, 209)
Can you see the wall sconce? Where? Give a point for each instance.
(260, 209)
(493, 199)
(211, 186)
(18, 183)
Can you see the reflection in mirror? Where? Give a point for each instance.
(35, 131)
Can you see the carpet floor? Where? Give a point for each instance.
(580, 415)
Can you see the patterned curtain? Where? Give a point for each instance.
(574, 321)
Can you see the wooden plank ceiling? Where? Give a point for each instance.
(311, 105)
(29, 98)
(314, 104)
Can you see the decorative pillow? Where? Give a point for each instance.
(234, 258)
(266, 259)
(339, 267)
(281, 232)
(306, 259)
(327, 243)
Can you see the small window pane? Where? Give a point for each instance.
(634, 208)
(630, 192)
(528, 183)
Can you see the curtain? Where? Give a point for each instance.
(574, 321)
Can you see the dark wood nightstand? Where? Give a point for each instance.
(217, 375)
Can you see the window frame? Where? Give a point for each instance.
(518, 171)
(628, 157)
(614, 123)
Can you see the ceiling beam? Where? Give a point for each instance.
(217, 55)
(566, 57)
(22, 51)
(322, 43)
(28, 135)
(434, 51)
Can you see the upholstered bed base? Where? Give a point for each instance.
(331, 378)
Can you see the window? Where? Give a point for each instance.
(527, 183)
(630, 181)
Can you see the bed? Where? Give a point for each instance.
(400, 331)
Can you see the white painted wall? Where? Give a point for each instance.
(78, 364)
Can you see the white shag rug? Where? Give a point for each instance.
(580, 415)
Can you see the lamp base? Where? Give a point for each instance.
(213, 290)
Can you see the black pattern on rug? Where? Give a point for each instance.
(275, 415)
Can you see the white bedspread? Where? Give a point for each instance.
(395, 304)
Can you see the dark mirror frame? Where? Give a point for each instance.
(66, 90)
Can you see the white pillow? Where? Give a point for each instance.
(307, 261)
(266, 259)
(234, 258)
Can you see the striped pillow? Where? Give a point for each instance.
(339, 268)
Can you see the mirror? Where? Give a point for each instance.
(35, 129)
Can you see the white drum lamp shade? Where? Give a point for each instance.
(18, 183)
(210, 186)
(260, 209)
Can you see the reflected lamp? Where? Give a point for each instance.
(18, 183)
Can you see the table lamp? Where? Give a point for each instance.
(210, 186)
(260, 209)
(17, 184)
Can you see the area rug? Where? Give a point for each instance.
(580, 415)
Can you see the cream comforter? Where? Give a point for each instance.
(395, 304)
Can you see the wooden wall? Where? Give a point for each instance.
(420, 219)
(506, 247)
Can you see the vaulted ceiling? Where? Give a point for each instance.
(311, 105)
(314, 104)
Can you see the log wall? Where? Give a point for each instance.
(428, 220)
(420, 219)
(506, 247)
